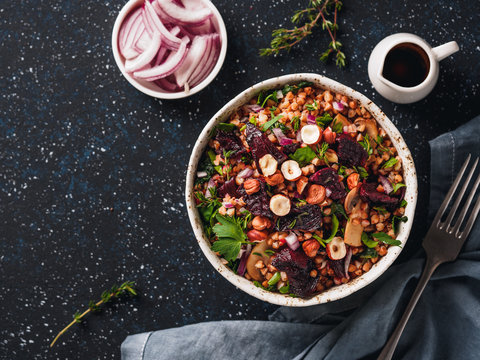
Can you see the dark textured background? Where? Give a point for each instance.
(92, 171)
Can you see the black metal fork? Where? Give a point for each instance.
(442, 243)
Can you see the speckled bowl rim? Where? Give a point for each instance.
(149, 88)
(337, 292)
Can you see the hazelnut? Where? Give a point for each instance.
(251, 186)
(302, 184)
(316, 194)
(310, 247)
(280, 205)
(268, 165)
(256, 235)
(274, 179)
(352, 180)
(329, 136)
(331, 156)
(260, 223)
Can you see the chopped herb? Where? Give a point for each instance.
(385, 238)
(295, 123)
(312, 107)
(368, 242)
(243, 127)
(338, 209)
(397, 186)
(269, 252)
(303, 156)
(253, 121)
(295, 88)
(258, 284)
(271, 122)
(213, 158)
(335, 224)
(319, 239)
(396, 220)
(379, 139)
(264, 96)
(321, 151)
(274, 279)
(368, 253)
(341, 170)
(361, 171)
(226, 127)
(324, 120)
(292, 224)
(230, 237)
(381, 148)
(366, 145)
(390, 163)
(207, 166)
(284, 289)
(404, 203)
(258, 254)
(381, 209)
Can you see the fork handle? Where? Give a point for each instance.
(392, 342)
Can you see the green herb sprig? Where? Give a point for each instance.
(318, 12)
(127, 288)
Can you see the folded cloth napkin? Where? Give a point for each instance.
(444, 325)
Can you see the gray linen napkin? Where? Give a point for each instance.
(444, 325)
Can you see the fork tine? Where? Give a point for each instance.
(473, 216)
(448, 221)
(450, 193)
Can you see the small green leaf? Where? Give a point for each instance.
(390, 163)
(381, 209)
(368, 242)
(324, 120)
(284, 289)
(386, 239)
(404, 203)
(368, 253)
(271, 122)
(226, 127)
(269, 252)
(274, 279)
(397, 186)
(303, 156)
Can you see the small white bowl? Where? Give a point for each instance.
(337, 292)
(151, 88)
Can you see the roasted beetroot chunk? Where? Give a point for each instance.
(328, 177)
(306, 217)
(290, 148)
(229, 187)
(230, 142)
(297, 265)
(369, 193)
(257, 203)
(260, 145)
(350, 152)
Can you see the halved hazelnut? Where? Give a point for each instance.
(268, 164)
(280, 205)
(336, 249)
(316, 194)
(302, 184)
(311, 134)
(329, 136)
(291, 170)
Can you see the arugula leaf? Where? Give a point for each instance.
(338, 209)
(396, 220)
(226, 127)
(335, 224)
(369, 253)
(230, 237)
(368, 242)
(271, 122)
(385, 238)
(337, 127)
(390, 163)
(397, 186)
(324, 120)
(303, 156)
(312, 107)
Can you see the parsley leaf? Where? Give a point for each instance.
(230, 237)
(303, 156)
(385, 238)
(324, 120)
(368, 242)
(390, 163)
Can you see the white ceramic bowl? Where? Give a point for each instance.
(337, 292)
(151, 88)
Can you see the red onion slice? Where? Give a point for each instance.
(143, 41)
(126, 27)
(131, 37)
(387, 185)
(145, 57)
(282, 139)
(212, 60)
(245, 173)
(167, 85)
(338, 106)
(210, 185)
(255, 108)
(182, 16)
(203, 62)
(292, 241)
(311, 120)
(199, 44)
(156, 24)
(172, 63)
(243, 260)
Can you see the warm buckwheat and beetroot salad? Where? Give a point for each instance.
(300, 190)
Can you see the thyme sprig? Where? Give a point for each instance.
(317, 13)
(127, 288)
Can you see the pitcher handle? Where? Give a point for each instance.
(442, 51)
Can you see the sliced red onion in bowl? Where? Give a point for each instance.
(183, 16)
(144, 58)
(292, 241)
(387, 185)
(311, 120)
(337, 106)
(199, 44)
(156, 24)
(245, 173)
(282, 139)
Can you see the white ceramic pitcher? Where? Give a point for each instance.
(401, 94)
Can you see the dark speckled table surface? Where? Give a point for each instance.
(92, 171)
